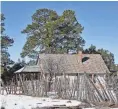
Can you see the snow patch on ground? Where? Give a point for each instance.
(28, 102)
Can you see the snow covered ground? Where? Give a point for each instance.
(28, 102)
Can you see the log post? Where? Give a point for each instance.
(78, 82)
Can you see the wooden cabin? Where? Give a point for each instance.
(68, 64)
(69, 70)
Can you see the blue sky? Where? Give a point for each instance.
(100, 21)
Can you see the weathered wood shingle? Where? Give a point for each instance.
(93, 62)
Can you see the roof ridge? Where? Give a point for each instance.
(66, 54)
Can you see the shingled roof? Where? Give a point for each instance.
(72, 62)
(92, 63)
(26, 69)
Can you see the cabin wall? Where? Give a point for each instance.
(72, 77)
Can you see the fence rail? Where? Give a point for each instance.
(80, 88)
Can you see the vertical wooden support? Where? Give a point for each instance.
(22, 83)
(38, 85)
(78, 82)
(14, 84)
(34, 81)
(17, 92)
(93, 77)
(32, 86)
(80, 87)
